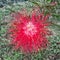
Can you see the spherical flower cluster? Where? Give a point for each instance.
(29, 32)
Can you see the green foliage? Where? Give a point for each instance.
(6, 51)
(48, 1)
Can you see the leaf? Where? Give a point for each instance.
(48, 1)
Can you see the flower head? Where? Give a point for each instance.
(29, 32)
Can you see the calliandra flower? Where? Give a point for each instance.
(29, 32)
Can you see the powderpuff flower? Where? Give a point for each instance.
(29, 32)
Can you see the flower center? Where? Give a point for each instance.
(30, 29)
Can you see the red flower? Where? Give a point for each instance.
(29, 32)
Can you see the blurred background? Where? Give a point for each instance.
(5, 2)
(49, 6)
